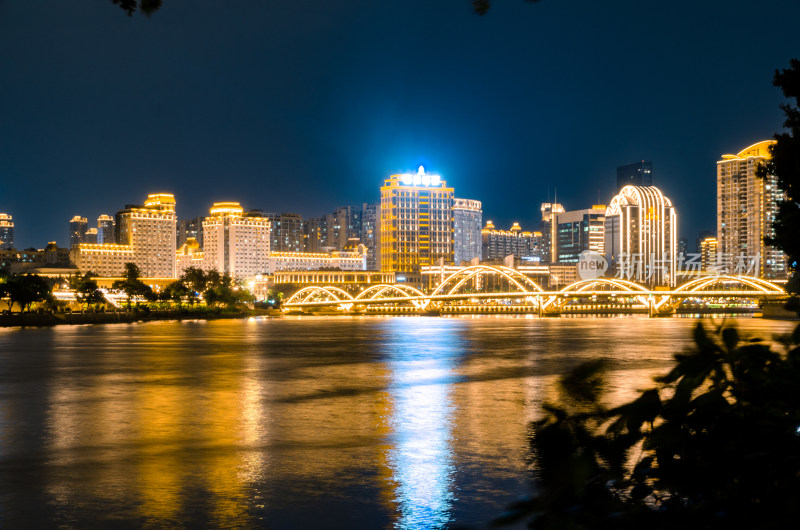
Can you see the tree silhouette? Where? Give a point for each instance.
(147, 7)
(131, 285)
(785, 164)
(715, 445)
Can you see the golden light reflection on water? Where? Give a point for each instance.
(398, 422)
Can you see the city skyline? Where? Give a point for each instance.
(302, 108)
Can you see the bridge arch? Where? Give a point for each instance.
(453, 282)
(758, 284)
(402, 291)
(331, 293)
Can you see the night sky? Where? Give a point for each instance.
(303, 106)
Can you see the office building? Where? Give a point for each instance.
(577, 231)
(190, 229)
(145, 236)
(467, 226)
(77, 230)
(105, 230)
(235, 242)
(746, 208)
(636, 174)
(641, 236)
(286, 232)
(548, 209)
(416, 222)
(6, 232)
(90, 236)
(498, 244)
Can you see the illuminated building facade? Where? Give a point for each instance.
(189, 255)
(499, 244)
(90, 236)
(708, 255)
(548, 209)
(105, 230)
(234, 241)
(304, 261)
(746, 208)
(6, 232)
(77, 230)
(467, 225)
(416, 222)
(636, 174)
(145, 236)
(577, 231)
(641, 236)
(286, 232)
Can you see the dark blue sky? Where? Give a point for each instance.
(304, 105)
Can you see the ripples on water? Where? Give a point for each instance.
(288, 423)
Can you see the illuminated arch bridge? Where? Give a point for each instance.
(478, 285)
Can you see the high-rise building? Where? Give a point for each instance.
(145, 236)
(315, 234)
(91, 236)
(499, 244)
(641, 236)
(746, 208)
(77, 230)
(6, 232)
(577, 231)
(416, 222)
(548, 209)
(236, 242)
(636, 174)
(190, 229)
(343, 225)
(286, 232)
(467, 225)
(708, 254)
(105, 230)
(370, 234)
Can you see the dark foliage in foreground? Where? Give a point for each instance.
(785, 164)
(716, 444)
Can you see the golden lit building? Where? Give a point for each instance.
(746, 208)
(146, 237)
(189, 255)
(340, 260)
(708, 254)
(416, 222)
(497, 244)
(6, 232)
(641, 236)
(236, 242)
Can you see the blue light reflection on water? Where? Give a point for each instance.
(421, 362)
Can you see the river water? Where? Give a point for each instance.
(308, 422)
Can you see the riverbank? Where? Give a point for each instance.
(55, 319)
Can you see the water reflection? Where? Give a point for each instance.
(420, 359)
(311, 422)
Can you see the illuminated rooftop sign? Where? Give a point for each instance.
(420, 179)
